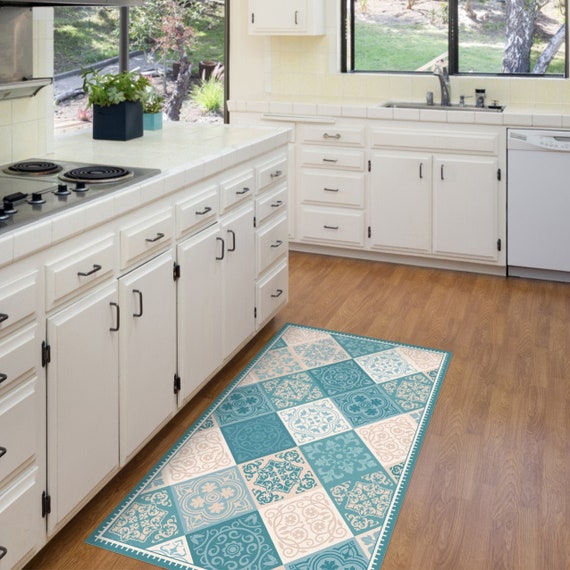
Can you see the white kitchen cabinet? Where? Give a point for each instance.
(292, 17)
(83, 400)
(147, 352)
(400, 201)
(199, 292)
(465, 207)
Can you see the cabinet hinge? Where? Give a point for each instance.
(176, 272)
(369, 231)
(252, 18)
(255, 312)
(254, 222)
(499, 244)
(498, 174)
(46, 504)
(369, 166)
(176, 383)
(46, 354)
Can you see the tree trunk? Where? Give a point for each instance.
(521, 18)
(550, 51)
(174, 103)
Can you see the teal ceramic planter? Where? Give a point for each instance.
(152, 121)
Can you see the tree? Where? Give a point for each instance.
(550, 51)
(521, 20)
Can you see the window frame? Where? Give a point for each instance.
(348, 39)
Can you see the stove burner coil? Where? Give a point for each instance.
(33, 168)
(97, 174)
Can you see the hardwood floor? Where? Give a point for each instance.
(490, 488)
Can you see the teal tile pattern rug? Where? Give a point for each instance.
(301, 464)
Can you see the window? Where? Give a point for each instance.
(511, 37)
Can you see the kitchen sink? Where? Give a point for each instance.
(452, 107)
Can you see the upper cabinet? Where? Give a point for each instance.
(289, 18)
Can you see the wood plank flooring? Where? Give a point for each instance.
(491, 486)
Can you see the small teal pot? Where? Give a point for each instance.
(152, 121)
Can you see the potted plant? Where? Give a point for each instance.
(117, 103)
(152, 109)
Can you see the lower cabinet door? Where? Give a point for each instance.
(147, 361)
(83, 400)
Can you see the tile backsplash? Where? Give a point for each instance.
(26, 125)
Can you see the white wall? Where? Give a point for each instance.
(26, 125)
(307, 69)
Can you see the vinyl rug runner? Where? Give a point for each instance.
(301, 464)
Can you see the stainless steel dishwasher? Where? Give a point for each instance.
(538, 204)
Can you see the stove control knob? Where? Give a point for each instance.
(81, 187)
(36, 198)
(62, 190)
(8, 207)
(3, 214)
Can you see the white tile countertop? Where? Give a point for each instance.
(185, 153)
(514, 115)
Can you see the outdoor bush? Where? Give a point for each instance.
(209, 94)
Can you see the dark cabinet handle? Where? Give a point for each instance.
(278, 294)
(3, 377)
(233, 234)
(441, 173)
(330, 227)
(3, 317)
(241, 192)
(219, 258)
(277, 204)
(330, 159)
(3, 552)
(87, 273)
(421, 169)
(335, 136)
(159, 235)
(118, 311)
(3, 451)
(331, 189)
(204, 211)
(296, 17)
(276, 174)
(277, 243)
(140, 296)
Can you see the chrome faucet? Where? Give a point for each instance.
(443, 76)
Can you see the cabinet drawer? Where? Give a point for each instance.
(271, 204)
(272, 171)
(235, 190)
(342, 189)
(197, 212)
(18, 301)
(79, 271)
(272, 292)
(333, 135)
(272, 243)
(332, 158)
(146, 237)
(18, 355)
(19, 426)
(20, 516)
(329, 225)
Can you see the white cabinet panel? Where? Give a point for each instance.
(293, 17)
(272, 292)
(330, 225)
(18, 300)
(271, 243)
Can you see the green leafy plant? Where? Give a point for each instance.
(152, 100)
(209, 93)
(113, 88)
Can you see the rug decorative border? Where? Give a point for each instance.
(301, 463)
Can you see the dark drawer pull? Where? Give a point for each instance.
(222, 255)
(3, 377)
(330, 159)
(277, 243)
(140, 296)
(3, 451)
(204, 211)
(241, 192)
(118, 312)
(330, 227)
(159, 235)
(278, 294)
(327, 136)
(331, 189)
(3, 317)
(3, 552)
(276, 174)
(87, 273)
(277, 204)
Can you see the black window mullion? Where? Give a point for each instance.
(453, 37)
